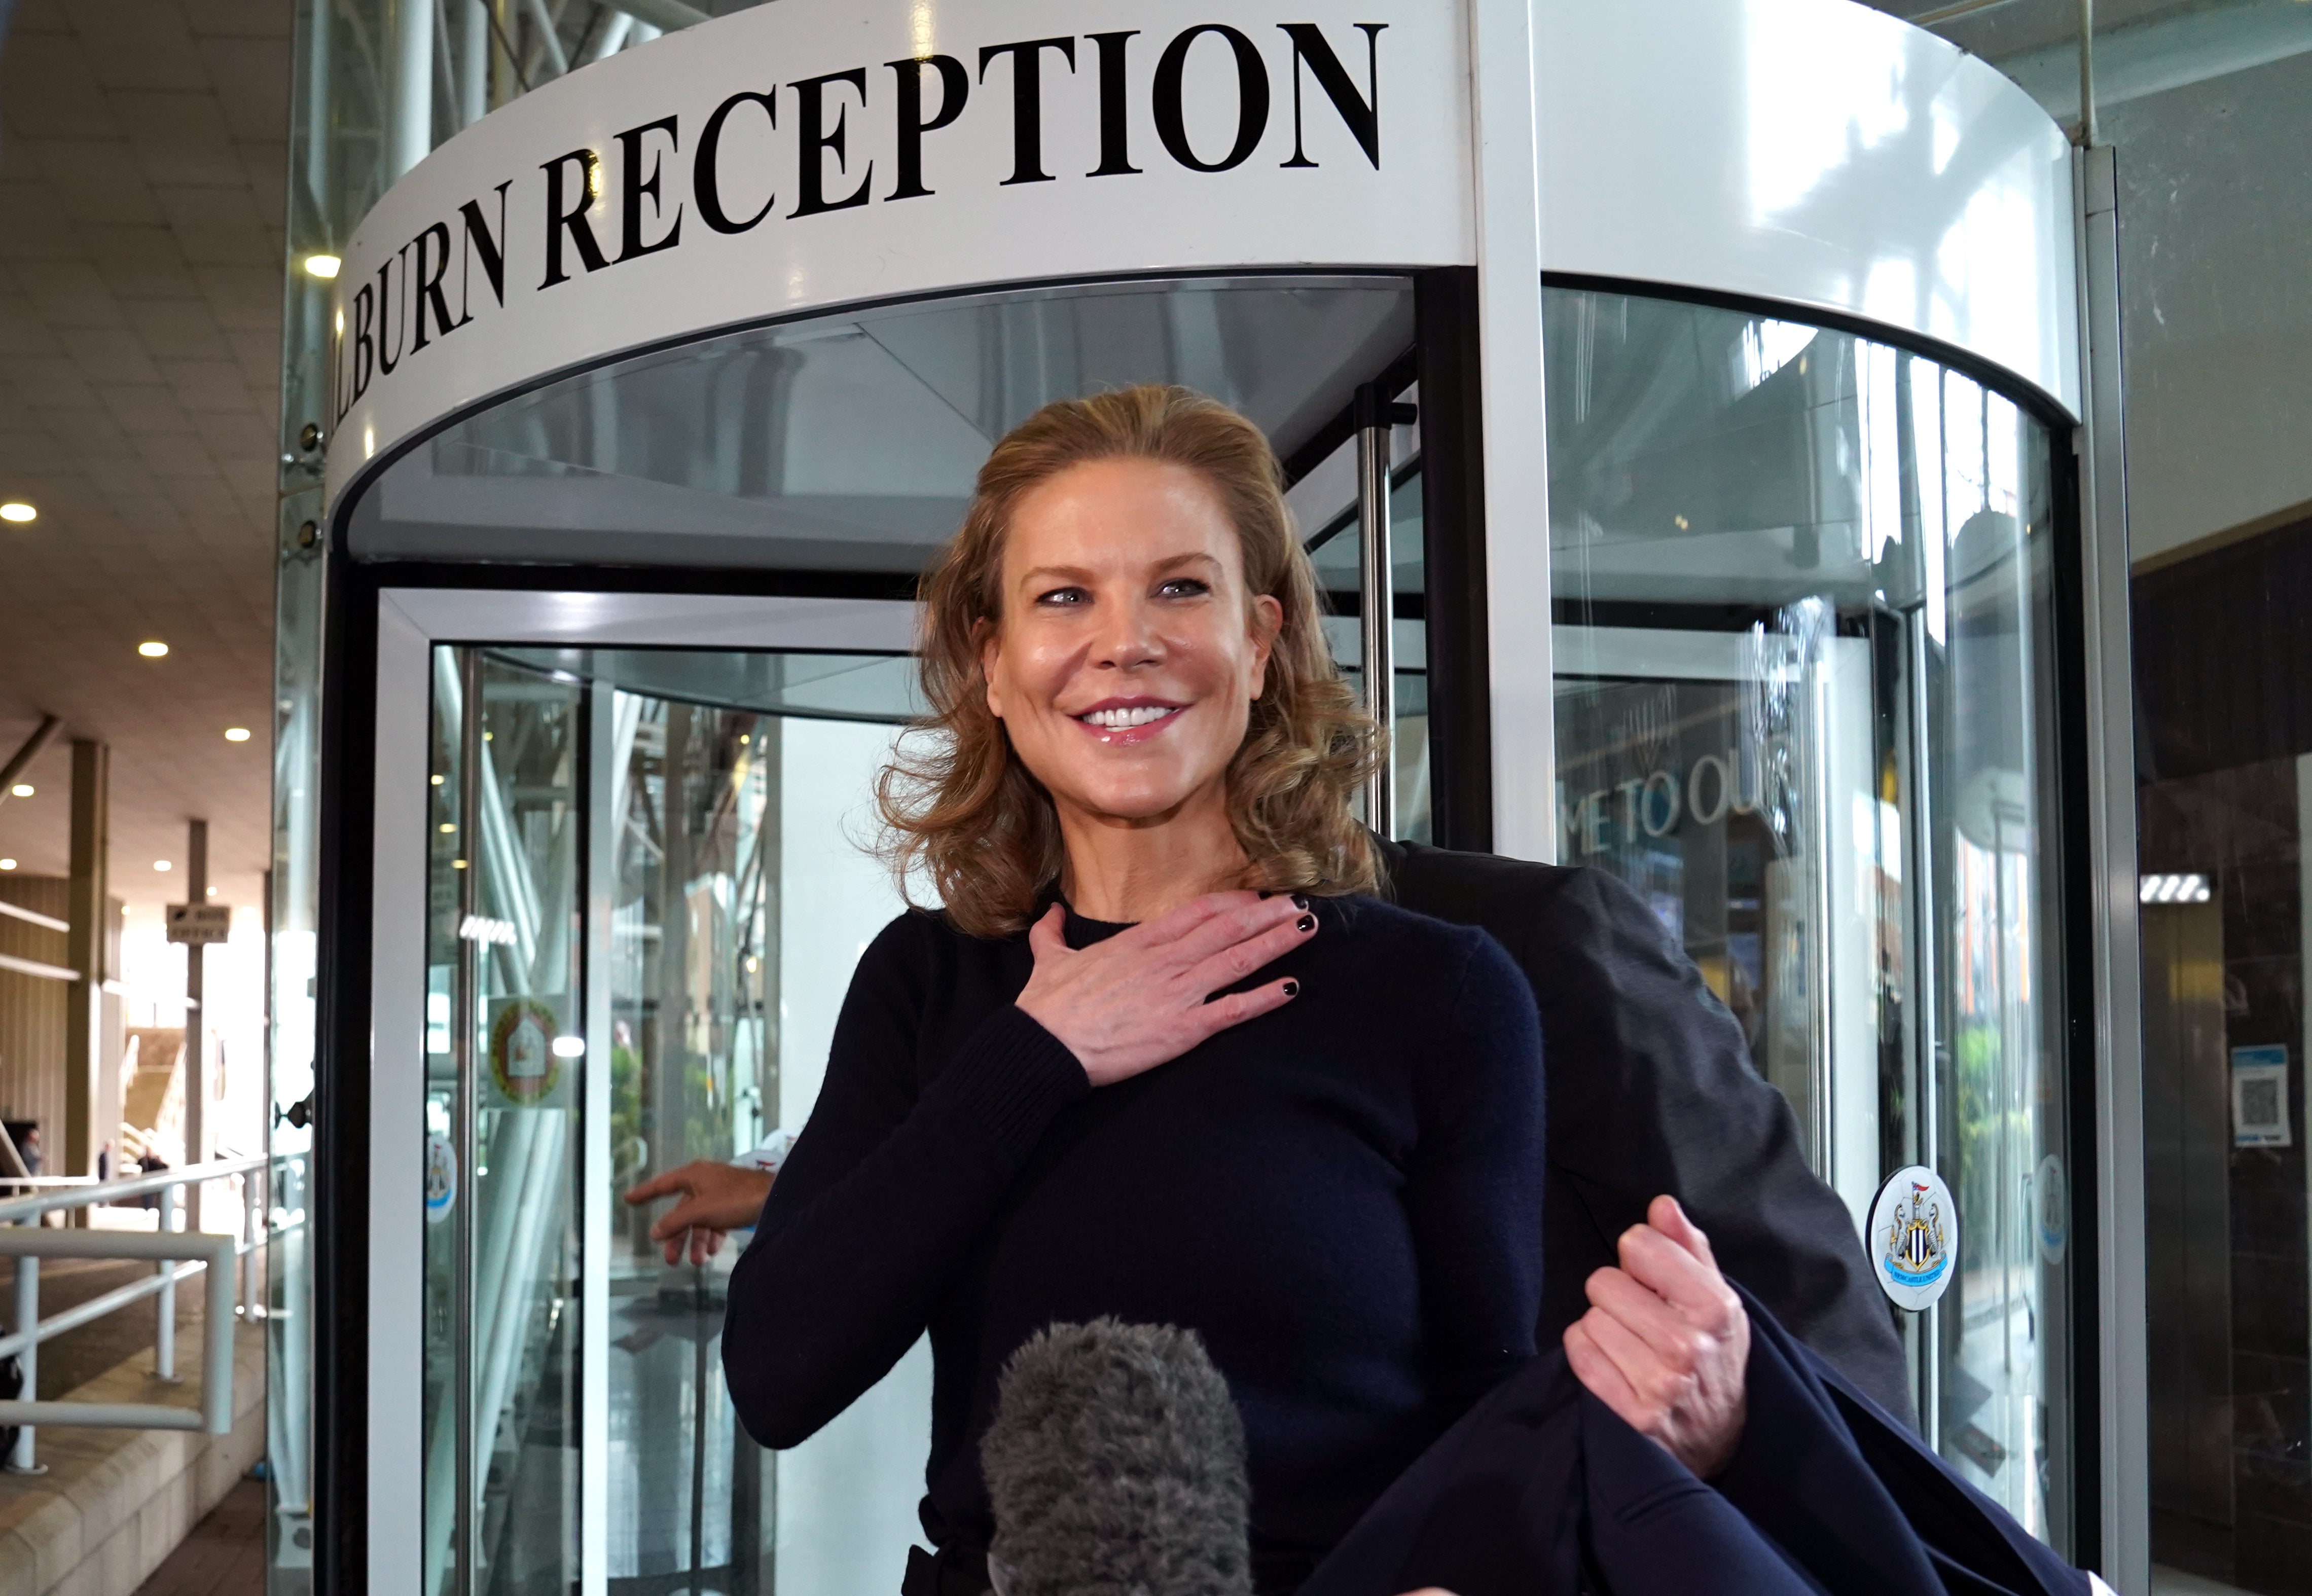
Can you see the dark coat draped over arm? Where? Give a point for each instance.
(1652, 1089)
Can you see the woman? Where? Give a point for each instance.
(1160, 1055)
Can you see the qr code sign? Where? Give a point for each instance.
(2259, 1104)
(2260, 1116)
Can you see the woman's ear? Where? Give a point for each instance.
(1267, 624)
(989, 637)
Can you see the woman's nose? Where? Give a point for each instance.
(1128, 638)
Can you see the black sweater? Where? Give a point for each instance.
(1342, 1196)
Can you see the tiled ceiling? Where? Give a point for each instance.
(142, 174)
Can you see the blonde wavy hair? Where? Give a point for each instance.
(962, 813)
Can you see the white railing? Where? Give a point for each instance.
(178, 1254)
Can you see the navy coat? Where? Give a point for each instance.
(1652, 1089)
(1541, 1490)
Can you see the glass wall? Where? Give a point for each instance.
(1806, 708)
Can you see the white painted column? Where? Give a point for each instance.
(1505, 124)
(409, 131)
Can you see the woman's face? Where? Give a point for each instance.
(1129, 653)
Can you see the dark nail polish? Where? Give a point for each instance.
(1298, 901)
(1305, 923)
(1291, 989)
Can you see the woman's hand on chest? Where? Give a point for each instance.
(1144, 996)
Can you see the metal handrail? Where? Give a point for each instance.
(180, 1255)
(17, 1210)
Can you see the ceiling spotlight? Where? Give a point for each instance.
(7, 865)
(163, 864)
(152, 650)
(18, 511)
(324, 267)
(23, 789)
(236, 733)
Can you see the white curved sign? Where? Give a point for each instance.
(801, 155)
(805, 154)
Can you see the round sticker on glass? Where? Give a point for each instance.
(441, 1177)
(1915, 1237)
(523, 1062)
(2050, 1201)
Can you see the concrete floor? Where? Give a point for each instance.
(225, 1555)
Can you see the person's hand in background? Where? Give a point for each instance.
(717, 1198)
(1666, 1342)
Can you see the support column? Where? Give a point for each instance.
(196, 1072)
(85, 943)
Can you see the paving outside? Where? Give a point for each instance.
(225, 1555)
(120, 1512)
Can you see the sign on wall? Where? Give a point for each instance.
(197, 925)
(796, 156)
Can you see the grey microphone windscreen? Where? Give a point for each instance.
(1114, 1466)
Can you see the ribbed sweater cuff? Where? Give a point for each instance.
(1011, 1077)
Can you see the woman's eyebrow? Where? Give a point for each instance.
(1042, 574)
(1194, 557)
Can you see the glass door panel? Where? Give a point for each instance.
(1324, 505)
(504, 1051)
(647, 898)
(1803, 589)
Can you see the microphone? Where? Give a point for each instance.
(1114, 1466)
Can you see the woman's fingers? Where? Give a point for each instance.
(1048, 936)
(1665, 1214)
(1595, 1368)
(1676, 1336)
(1236, 917)
(1654, 1374)
(1233, 963)
(1667, 1333)
(1212, 1018)
(1671, 1269)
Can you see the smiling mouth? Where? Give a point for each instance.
(1128, 719)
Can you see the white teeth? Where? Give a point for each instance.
(1123, 720)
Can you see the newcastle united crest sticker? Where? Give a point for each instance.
(1914, 1239)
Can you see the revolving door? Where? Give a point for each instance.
(1744, 577)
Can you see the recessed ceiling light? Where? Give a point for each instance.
(236, 733)
(7, 865)
(213, 891)
(152, 650)
(323, 267)
(163, 864)
(23, 789)
(18, 511)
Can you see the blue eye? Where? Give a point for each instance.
(1184, 587)
(1064, 595)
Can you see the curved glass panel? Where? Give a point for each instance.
(1806, 705)
(850, 441)
(646, 899)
